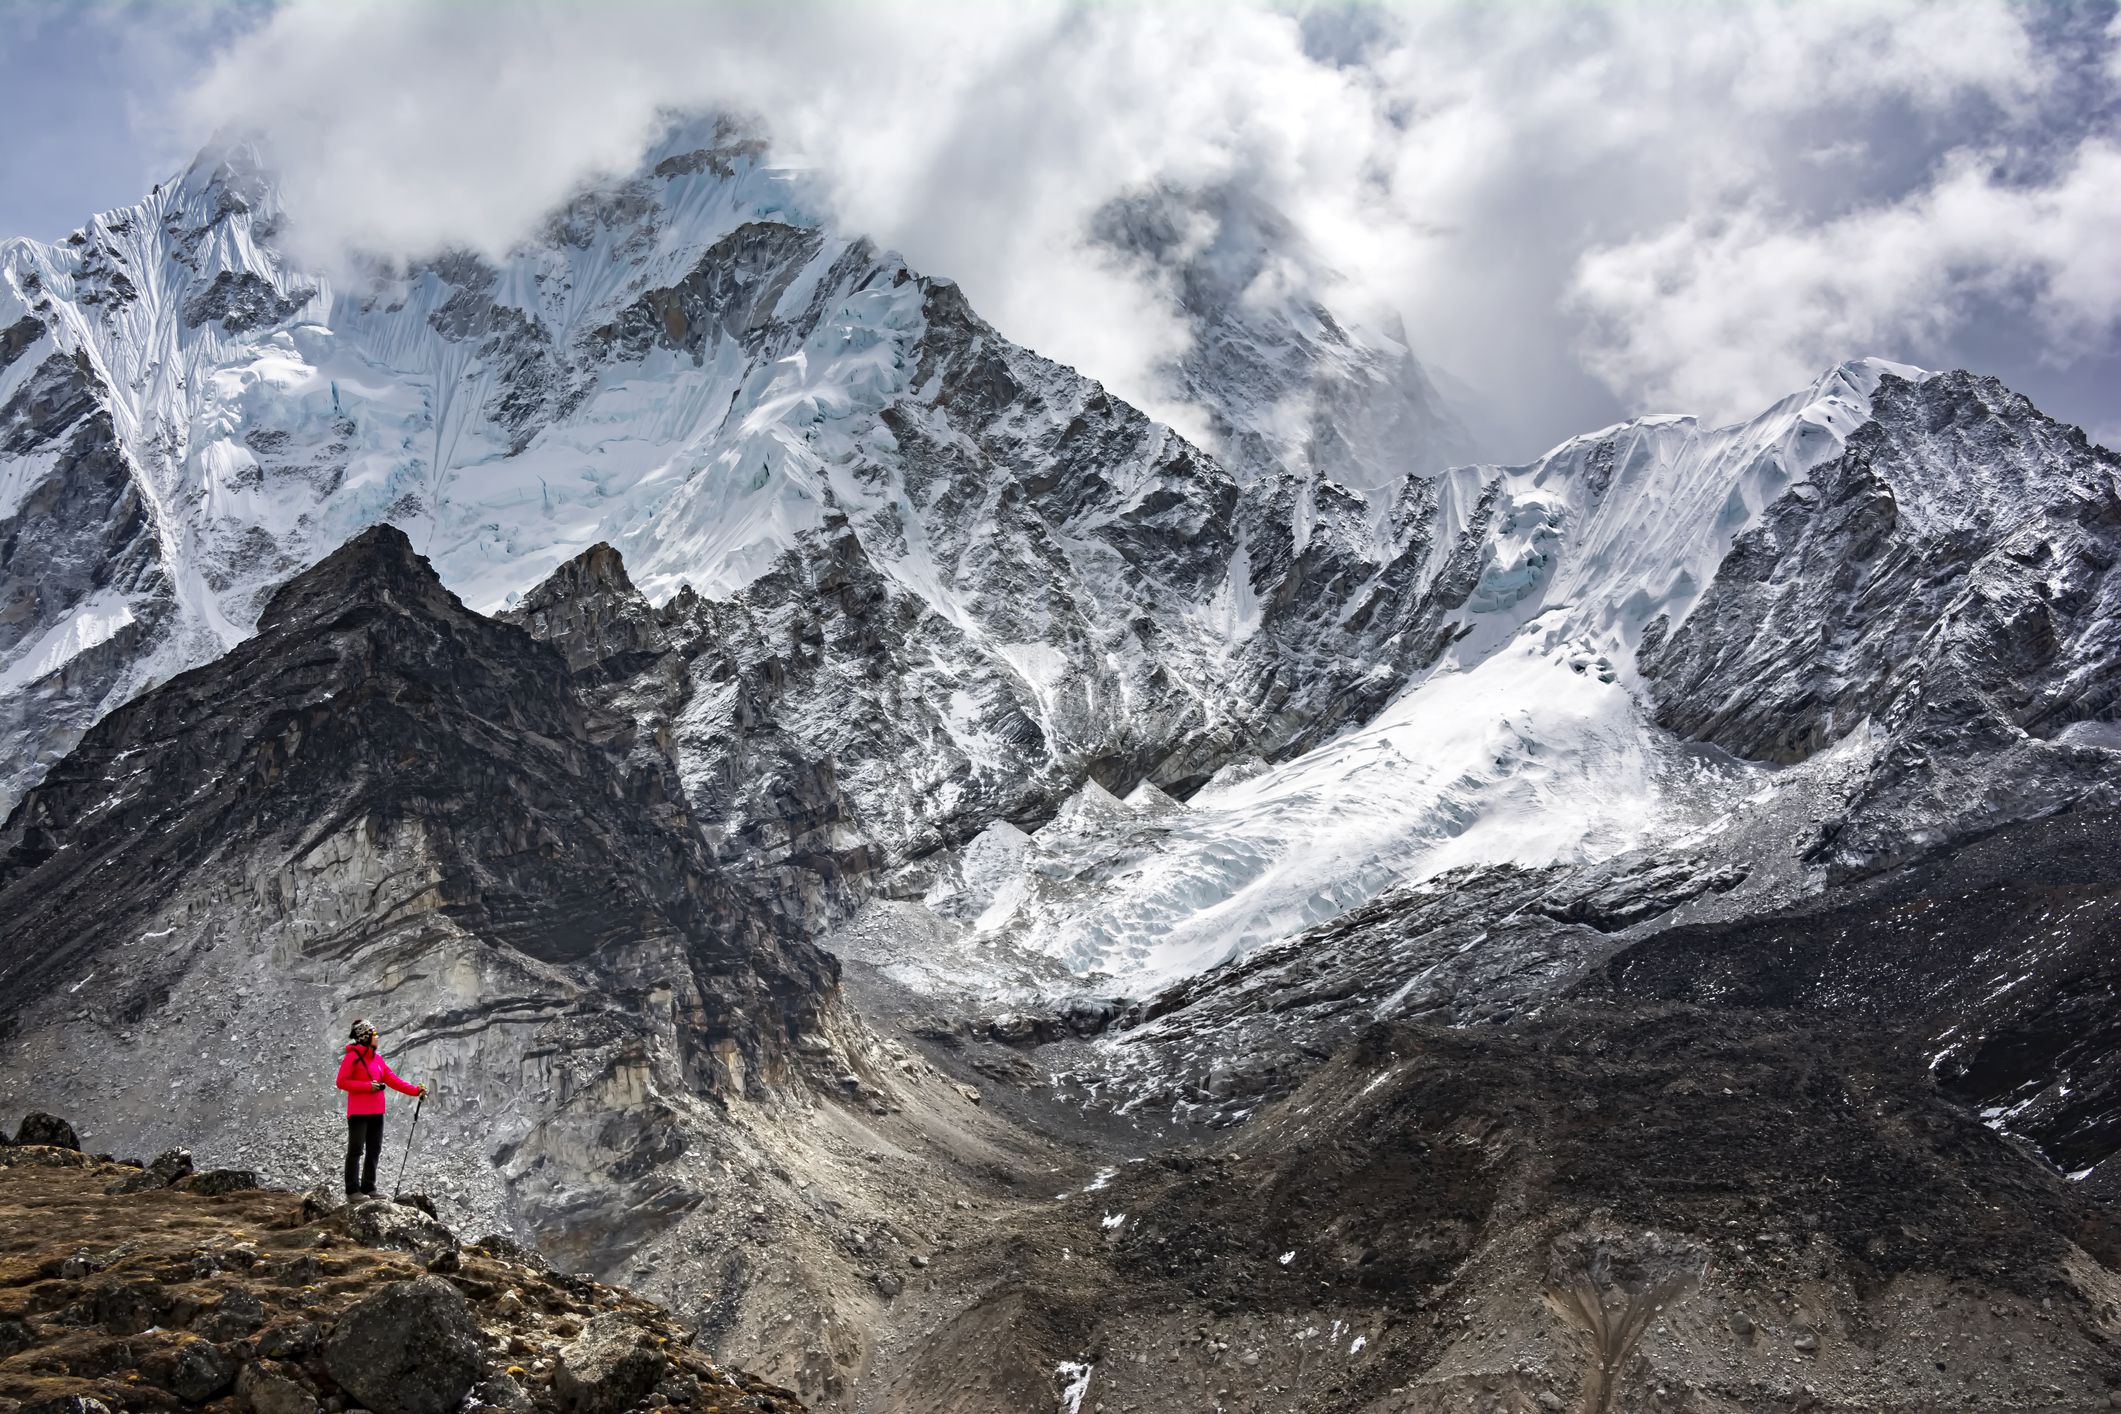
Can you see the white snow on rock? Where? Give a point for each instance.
(95, 620)
(686, 364)
(1527, 742)
(1075, 1384)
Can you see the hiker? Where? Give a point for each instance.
(362, 1075)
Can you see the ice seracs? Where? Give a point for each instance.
(1527, 739)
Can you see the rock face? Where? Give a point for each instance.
(1948, 581)
(411, 1348)
(382, 791)
(86, 594)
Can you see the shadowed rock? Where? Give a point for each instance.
(412, 1348)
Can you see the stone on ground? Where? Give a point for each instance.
(412, 1348)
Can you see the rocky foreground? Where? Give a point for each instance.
(126, 1286)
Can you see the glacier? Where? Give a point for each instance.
(1529, 740)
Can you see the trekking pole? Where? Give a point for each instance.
(411, 1129)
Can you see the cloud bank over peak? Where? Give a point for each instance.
(1576, 212)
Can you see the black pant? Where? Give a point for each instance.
(364, 1145)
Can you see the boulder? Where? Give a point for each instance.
(1015, 1028)
(65, 1404)
(319, 1203)
(500, 1391)
(1090, 1016)
(234, 1316)
(264, 1388)
(14, 1336)
(127, 1308)
(500, 1244)
(290, 1340)
(168, 1167)
(398, 1226)
(193, 1370)
(607, 1368)
(48, 1130)
(952, 1032)
(214, 1182)
(298, 1271)
(412, 1348)
(73, 1266)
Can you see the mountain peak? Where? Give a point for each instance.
(590, 610)
(600, 569)
(379, 565)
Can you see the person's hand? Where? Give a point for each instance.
(379, 1085)
(418, 1091)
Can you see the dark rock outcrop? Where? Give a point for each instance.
(168, 1168)
(372, 704)
(606, 1369)
(217, 1181)
(263, 1388)
(195, 1371)
(402, 1226)
(243, 300)
(48, 1130)
(79, 540)
(411, 1348)
(179, 1299)
(383, 792)
(589, 609)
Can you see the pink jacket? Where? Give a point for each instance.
(358, 1074)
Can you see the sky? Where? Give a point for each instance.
(1578, 212)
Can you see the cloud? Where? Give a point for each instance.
(1577, 211)
(1727, 310)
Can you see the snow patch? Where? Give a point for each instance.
(1075, 1384)
(97, 619)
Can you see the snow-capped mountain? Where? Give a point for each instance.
(1287, 388)
(685, 364)
(1629, 646)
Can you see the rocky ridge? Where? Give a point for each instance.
(686, 364)
(128, 1287)
(385, 801)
